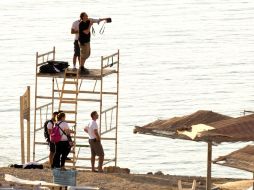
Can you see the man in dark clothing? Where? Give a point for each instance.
(84, 38)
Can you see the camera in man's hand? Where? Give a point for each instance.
(108, 20)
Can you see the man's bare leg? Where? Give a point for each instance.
(51, 157)
(82, 62)
(74, 61)
(75, 58)
(101, 159)
(92, 163)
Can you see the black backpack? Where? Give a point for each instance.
(46, 134)
(60, 65)
(54, 67)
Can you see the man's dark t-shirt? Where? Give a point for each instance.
(84, 38)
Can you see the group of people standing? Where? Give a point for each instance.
(60, 150)
(82, 50)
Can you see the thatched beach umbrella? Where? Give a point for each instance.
(240, 129)
(242, 159)
(173, 126)
(225, 129)
(185, 127)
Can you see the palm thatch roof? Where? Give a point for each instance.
(240, 159)
(231, 130)
(173, 127)
(203, 126)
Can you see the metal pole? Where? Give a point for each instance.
(253, 182)
(54, 53)
(101, 92)
(53, 83)
(117, 105)
(53, 93)
(209, 166)
(35, 104)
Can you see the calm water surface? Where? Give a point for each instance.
(176, 57)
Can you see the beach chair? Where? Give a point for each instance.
(194, 184)
(22, 184)
(236, 185)
(18, 183)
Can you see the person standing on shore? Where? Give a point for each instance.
(84, 38)
(95, 142)
(63, 146)
(75, 30)
(52, 147)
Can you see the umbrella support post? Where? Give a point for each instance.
(209, 166)
(253, 182)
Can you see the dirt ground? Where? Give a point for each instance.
(117, 181)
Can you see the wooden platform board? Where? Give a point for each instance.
(94, 74)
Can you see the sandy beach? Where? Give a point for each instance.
(117, 181)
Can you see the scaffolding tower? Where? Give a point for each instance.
(98, 90)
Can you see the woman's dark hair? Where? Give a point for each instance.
(60, 116)
(55, 113)
(54, 116)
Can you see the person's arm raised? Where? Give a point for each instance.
(107, 20)
(93, 20)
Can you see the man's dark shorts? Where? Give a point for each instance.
(52, 147)
(76, 48)
(96, 147)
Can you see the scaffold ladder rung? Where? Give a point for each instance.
(71, 82)
(70, 91)
(67, 102)
(69, 111)
(71, 71)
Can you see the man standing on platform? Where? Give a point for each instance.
(95, 142)
(75, 30)
(84, 38)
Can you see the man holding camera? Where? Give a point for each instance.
(84, 38)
